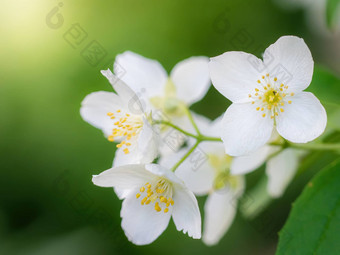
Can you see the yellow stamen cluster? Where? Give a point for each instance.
(160, 194)
(270, 97)
(126, 126)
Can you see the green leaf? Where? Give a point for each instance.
(331, 10)
(314, 222)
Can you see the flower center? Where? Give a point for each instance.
(126, 126)
(226, 179)
(159, 193)
(169, 103)
(270, 96)
(223, 178)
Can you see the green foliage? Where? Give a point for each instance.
(331, 10)
(313, 224)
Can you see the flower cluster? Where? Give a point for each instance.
(156, 181)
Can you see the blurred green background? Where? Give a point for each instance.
(48, 153)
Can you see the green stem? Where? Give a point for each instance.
(185, 156)
(309, 146)
(209, 138)
(316, 146)
(175, 127)
(198, 137)
(192, 121)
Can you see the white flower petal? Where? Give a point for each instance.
(191, 78)
(148, 143)
(170, 160)
(195, 171)
(170, 145)
(234, 75)
(184, 123)
(280, 171)
(213, 148)
(123, 177)
(143, 75)
(158, 170)
(206, 126)
(133, 157)
(186, 213)
(142, 224)
(122, 159)
(121, 193)
(142, 151)
(303, 120)
(290, 60)
(201, 121)
(171, 139)
(244, 129)
(95, 107)
(249, 163)
(219, 213)
(215, 126)
(130, 99)
(199, 181)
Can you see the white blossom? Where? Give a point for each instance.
(264, 100)
(153, 194)
(123, 119)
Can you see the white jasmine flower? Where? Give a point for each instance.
(208, 171)
(280, 169)
(122, 118)
(188, 81)
(154, 194)
(268, 95)
(171, 95)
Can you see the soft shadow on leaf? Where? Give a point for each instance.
(312, 226)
